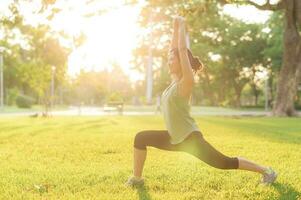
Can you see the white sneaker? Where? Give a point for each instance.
(269, 176)
(134, 181)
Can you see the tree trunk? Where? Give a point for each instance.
(208, 91)
(256, 98)
(286, 87)
(237, 88)
(298, 72)
(237, 100)
(255, 92)
(271, 90)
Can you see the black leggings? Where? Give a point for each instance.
(194, 144)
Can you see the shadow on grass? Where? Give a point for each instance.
(143, 193)
(286, 192)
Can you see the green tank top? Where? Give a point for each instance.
(176, 114)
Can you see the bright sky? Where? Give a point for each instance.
(249, 14)
(112, 36)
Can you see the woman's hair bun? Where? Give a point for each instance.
(195, 62)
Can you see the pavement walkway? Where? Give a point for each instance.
(98, 111)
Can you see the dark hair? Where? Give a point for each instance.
(195, 63)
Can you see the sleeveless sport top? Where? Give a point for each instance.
(176, 114)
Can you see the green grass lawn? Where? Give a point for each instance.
(91, 158)
(14, 109)
(34, 108)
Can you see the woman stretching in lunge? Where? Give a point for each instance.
(182, 133)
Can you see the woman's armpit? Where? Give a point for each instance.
(178, 95)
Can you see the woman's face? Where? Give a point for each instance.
(173, 63)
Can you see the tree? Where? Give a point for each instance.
(33, 61)
(212, 35)
(290, 73)
(98, 86)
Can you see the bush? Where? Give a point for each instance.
(24, 101)
(115, 96)
(12, 96)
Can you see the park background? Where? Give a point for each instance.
(53, 51)
(78, 80)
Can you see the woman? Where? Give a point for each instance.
(182, 133)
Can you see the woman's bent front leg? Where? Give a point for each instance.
(155, 138)
(139, 159)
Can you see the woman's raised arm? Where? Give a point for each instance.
(187, 79)
(175, 34)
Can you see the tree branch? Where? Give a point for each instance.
(268, 5)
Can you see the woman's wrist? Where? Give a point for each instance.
(181, 24)
(176, 24)
(181, 29)
(182, 40)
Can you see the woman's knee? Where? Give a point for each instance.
(139, 141)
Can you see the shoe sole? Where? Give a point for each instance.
(273, 180)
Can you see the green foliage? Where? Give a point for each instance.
(237, 45)
(274, 51)
(114, 97)
(24, 101)
(12, 96)
(98, 86)
(28, 64)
